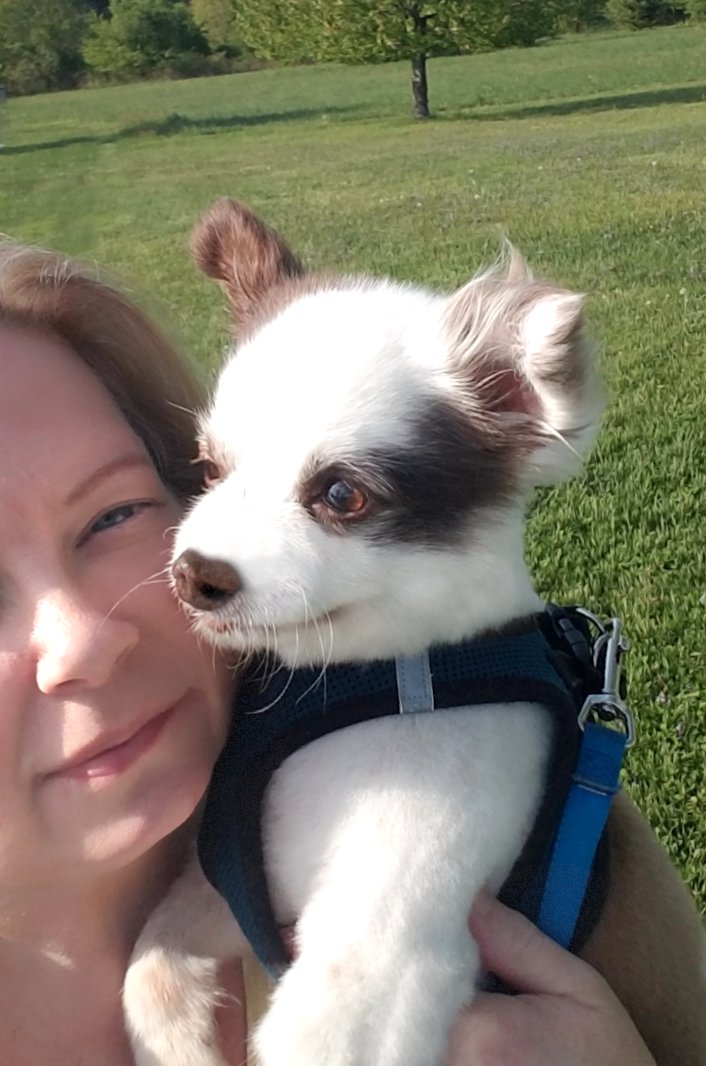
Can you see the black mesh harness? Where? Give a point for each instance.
(544, 659)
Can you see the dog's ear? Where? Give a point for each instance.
(519, 348)
(235, 247)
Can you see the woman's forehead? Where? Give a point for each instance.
(57, 420)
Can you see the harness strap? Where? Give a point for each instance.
(414, 685)
(530, 660)
(593, 785)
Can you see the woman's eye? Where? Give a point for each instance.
(116, 516)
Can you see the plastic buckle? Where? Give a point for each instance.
(608, 705)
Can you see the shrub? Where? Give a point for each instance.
(141, 37)
(217, 21)
(40, 44)
(639, 14)
(581, 15)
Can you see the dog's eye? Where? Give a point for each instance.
(344, 498)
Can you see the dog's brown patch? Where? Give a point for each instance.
(280, 296)
(240, 251)
(255, 266)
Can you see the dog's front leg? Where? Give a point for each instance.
(388, 865)
(386, 996)
(171, 988)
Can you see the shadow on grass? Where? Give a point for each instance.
(176, 123)
(685, 94)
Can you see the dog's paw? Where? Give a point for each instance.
(351, 1013)
(307, 1026)
(170, 1001)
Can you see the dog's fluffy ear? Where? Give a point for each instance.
(235, 247)
(519, 348)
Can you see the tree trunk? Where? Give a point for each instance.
(420, 93)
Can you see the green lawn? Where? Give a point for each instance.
(589, 153)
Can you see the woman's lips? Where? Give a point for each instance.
(114, 759)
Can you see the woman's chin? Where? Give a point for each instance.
(113, 817)
(142, 824)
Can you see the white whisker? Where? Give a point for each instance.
(282, 694)
(154, 579)
(187, 410)
(559, 436)
(325, 657)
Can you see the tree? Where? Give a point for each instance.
(639, 14)
(100, 7)
(577, 15)
(218, 22)
(40, 44)
(141, 36)
(370, 31)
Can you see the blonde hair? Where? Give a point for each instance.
(117, 341)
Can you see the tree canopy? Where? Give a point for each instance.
(140, 35)
(639, 14)
(55, 44)
(217, 21)
(40, 43)
(364, 31)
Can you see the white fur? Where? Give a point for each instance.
(377, 838)
(171, 988)
(405, 822)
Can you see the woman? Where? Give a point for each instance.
(113, 715)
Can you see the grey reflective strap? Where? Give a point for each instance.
(414, 683)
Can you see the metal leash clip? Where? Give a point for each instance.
(609, 705)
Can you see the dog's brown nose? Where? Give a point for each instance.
(204, 583)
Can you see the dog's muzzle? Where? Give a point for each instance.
(206, 584)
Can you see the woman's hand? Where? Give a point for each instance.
(565, 1014)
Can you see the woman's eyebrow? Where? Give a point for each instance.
(113, 466)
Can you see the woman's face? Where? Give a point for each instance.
(111, 714)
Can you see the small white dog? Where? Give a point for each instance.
(370, 451)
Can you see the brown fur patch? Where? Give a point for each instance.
(254, 265)
(248, 258)
(280, 296)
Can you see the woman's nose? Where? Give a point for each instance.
(77, 645)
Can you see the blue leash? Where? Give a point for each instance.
(593, 785)
(594, 782)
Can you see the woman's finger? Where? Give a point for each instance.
(516, 951)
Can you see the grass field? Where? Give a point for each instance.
(588, 153)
